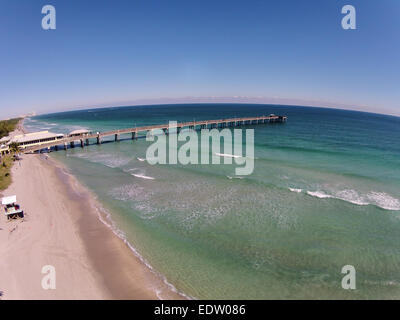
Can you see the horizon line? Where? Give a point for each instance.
(216, 100)
(222, 100)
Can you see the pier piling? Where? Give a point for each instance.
(193, 125)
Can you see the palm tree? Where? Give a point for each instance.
(13, 147)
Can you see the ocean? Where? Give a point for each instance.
(325, 193)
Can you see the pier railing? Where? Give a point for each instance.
(84, 139)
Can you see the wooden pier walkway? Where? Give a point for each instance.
(84, 139)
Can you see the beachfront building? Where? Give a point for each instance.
(78, 133)
(5, 140)
(36, 138)
(4, 149)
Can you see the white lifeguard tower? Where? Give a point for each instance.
(11, 209)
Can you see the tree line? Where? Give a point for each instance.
(6, 126)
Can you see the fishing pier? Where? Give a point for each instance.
(84, 139)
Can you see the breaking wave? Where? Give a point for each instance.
(230, 177)
(227, 155)
(379, 199)
(138, 174)
(106, 159)
(142, 176)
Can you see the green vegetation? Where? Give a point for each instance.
(6, 162)
(6, 126)
(5, 167)
(13, 147)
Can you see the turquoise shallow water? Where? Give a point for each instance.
(325, 193)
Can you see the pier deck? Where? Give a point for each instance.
(202, 124)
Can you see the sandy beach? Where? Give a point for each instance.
(62, 228)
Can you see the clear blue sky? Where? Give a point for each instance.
(114, 52)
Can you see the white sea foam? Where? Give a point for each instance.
(106, 159)
(138, 175)
(141, 159)
(227, 155)
(134, 193)
(230, 177)
(142, 176)
(351, 196)
(384, 200)
(319, 194)
(48, 123)
(379, 199)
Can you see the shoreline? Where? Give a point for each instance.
(63, 227)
